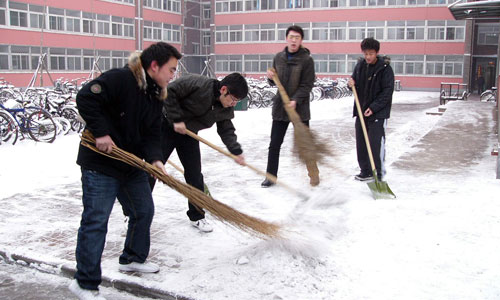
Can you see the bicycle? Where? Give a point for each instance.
(489, 95)
(34, 121)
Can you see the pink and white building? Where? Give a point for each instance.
(426, 44)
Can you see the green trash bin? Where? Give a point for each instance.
(242, 104)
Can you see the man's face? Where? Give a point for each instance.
(227, 99)
(293, 40)
(370, 56)
(162, 75)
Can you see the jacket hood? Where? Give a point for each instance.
(135, 65)
(386, 60)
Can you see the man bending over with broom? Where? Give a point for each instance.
(373, 79)
(122, 108)
(295, 68)
(194, 103)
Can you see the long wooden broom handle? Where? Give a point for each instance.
(365, 133)
(292, 114)
(267, 175)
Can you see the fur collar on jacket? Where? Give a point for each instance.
(135, 65)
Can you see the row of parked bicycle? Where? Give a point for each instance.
(38, 113)
(43, 113)
(261, 93)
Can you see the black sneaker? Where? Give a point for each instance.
(266, 183)
(363, 177)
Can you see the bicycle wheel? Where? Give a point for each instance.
(71, 114)
(487, 96)
(8, 128)
(41, 127)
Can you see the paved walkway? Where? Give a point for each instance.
(468, 134)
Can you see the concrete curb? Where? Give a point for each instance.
(68, 271)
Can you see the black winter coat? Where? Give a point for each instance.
(380, 89)
(125, 105)
(194, 100)
(297, 77)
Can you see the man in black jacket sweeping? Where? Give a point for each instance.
(121, 107)
(373, 78)
(196, 102)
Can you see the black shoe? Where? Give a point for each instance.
(266, 183)
(363, 177)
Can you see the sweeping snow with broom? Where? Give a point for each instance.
(338, 244)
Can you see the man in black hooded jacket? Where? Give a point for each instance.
(373, 78)
(121, 107)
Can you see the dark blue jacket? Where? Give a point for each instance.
(381, 86)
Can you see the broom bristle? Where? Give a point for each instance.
(307, 146)
(219, 210)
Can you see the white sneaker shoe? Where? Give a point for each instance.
(202, 225)
(84, 294)
(146, 267)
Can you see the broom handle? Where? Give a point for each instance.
(175, 166)
(365, 133)
(292, 114)
(267, 175)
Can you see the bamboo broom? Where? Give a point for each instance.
(307, 146)
(221, 211)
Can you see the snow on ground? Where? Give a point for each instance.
(438, 240)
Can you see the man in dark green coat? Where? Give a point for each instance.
(196, 102)
(295, 68)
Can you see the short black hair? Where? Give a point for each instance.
(161, 52)
(370, 44)
(236, 85)
(295, 28)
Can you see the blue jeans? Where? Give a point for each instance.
(99, 194)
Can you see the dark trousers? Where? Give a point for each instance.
(99, 194)
(188, 150)
(278, 131)
(376, 135)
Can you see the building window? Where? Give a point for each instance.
(128, 27)
(73, 20)
(488, 34)
(267, 32)
(336, 63)
(196, 21)
(206, 12)
(20, 57)
(207, 38)
(357, 30)
(18, 14)
(446, 30)
(4, 57)
(36, 16)
(56, 18)
(74, 59)
(57, 59)
(88, 22)
(148, 30)
(252, 33)
(357, 2)
(319, 31)
(290, 4)
(320, 63)
(396, 30)
(414, 64)
(116, 26)
(3, 12)
(337, 31)
(103, 24)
